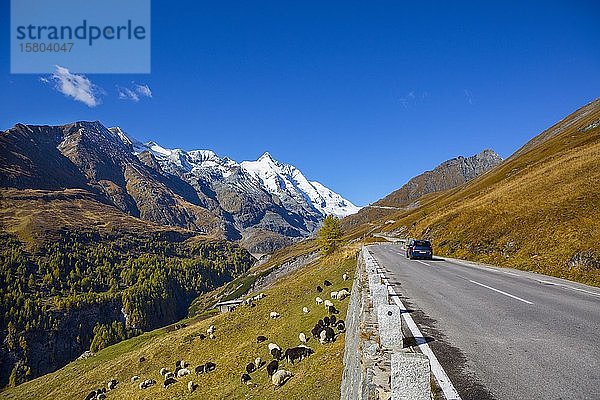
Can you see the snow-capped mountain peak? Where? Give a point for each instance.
(281, 180)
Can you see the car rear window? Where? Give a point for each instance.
(422, 243)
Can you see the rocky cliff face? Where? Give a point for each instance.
(447, 175)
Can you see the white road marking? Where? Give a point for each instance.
(441, 377)
(509, 273)
(422, 262)
(501, 292)
(581, 290)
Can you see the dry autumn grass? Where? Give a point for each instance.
(539, 210)
(317, 377)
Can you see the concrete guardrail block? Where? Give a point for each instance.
(410, 377)
(389, 319)
(379, 293)
(374, 280)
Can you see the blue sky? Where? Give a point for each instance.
(360, 96)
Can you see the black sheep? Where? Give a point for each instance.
(202, 336)
(332, 320)
(333, 310)
(260, 339)
(200, 369)
(326, 321)
(297, 353)
(329, 334)
(169, 381)
(246, 378)
(320, 322)
(316, 331)
(250, 368)
(327, 283)
(341, 326)
(272, 367)
(319, 289)
(210, 366)
(276, 353)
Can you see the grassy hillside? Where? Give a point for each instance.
(539, 210)
(317, 377)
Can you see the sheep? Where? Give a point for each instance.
(305, 310)
(169, 375)
(200, 369)
(202, 336)
(191, 386)
(272, 367)
(316, 331)
(319, 289)
(345, 276)
(142, 359)
(210, 366)
(169, 381)
(246, 379)
(280, 377)
(274, 314)
(250, 368)
(334, 295)
(260, 339)
(342, 294)
(211, 329)
(327, 283)
(112, 384)
(326, 321)
(147, 383)
(272, 346)
(328, 304)
(212, 336)
(332, 320)
(341, 326)
(134, 378)
(91, 395)
(276, 353)
(297, 353)
(258, 362)
(303, 337)
(327, 335)
(101, 396)
(319, 300)
(333, 310)
(183, 372)
(180, 364)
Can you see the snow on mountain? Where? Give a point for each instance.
(281, 180)
(286, 180)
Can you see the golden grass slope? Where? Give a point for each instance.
(317, 377)
(539, 210)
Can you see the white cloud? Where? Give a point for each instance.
(128, 94)
(468, 96)
(76, 86)
(135, 92)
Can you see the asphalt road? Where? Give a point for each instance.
(502, 333)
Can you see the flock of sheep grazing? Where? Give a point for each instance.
(323, 331)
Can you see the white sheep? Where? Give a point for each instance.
(169, 375)
(342, 294)
(183, 372)
(212, 336)
(319, 300)
(134, 378)
(280, 377)
(258, 361)
(345, 277)
(191, 386)
(211, 329)
(334, 295)
(305, 310)
(163, 371)
(274, 314)
(302, 337)
(273, 346)
(147, 383)
(328, 304)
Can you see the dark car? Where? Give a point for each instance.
(419, 249)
